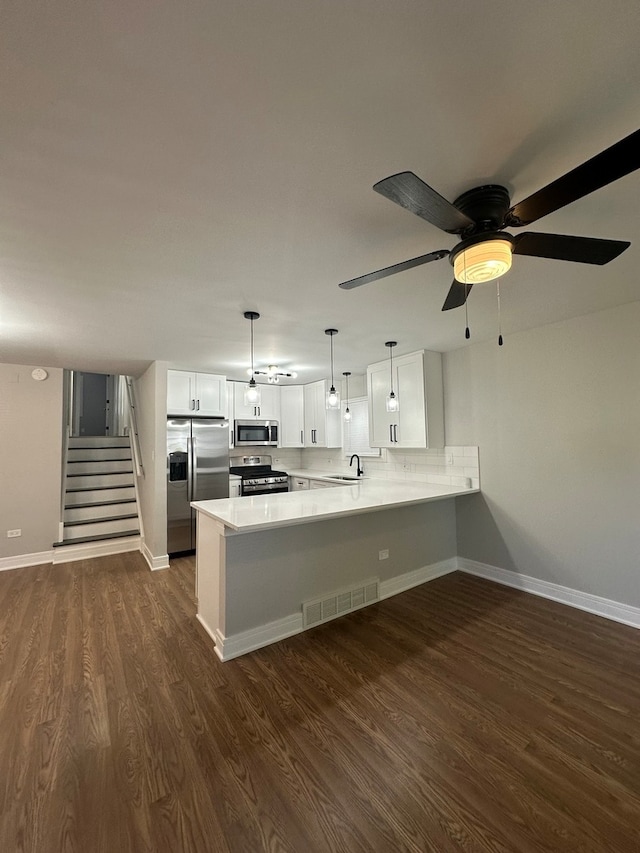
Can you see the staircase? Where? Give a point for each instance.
(100, 494)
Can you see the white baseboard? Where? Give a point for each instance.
(87, 550)
(255, 638)
(24, 560)
(614, 610)
(154, 563)
(416, 577)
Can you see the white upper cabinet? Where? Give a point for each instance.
(268, 409)
(192, 394)
(321, 425)
(417, 383)
(291, 416)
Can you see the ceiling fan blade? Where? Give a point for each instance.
(405, 265)
(582, 250)
(457, 296)
(407, 190)
(613, 163)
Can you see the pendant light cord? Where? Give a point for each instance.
(252, 371)
(331, 342)
(391, 368)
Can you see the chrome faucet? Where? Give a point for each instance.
(359, 469)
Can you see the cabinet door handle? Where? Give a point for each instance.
(390, 433)
(301, 436)
(197, 405)
(258, 411)
(395, 433)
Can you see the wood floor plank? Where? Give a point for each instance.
(458, 716)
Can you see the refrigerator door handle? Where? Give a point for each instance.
(192, 467)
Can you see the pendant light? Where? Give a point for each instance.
(251, 391)
(392, 403)
(333, 397)
(347, 413)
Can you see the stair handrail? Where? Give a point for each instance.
(135, 439)
(63, 480)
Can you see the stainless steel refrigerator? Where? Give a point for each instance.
(197, 470)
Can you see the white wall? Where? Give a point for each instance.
(270, 573)
(556, 414)
(30, 459)
(151, 402)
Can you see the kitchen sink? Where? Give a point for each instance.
(343, 477)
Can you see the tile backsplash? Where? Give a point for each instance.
(451, 466)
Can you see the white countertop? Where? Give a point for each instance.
(261, 512)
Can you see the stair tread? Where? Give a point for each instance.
(98, 488)
(101, 503)
(108, 518)
(96, 461)
(99, 473)
(97, 538)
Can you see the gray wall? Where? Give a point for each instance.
(270, 573)
(556, 414)
(31, 459)
(151, 400)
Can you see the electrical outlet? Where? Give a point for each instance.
(383, 555)
(11, 534)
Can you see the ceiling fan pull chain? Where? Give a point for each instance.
(499, 316)
(467, 333)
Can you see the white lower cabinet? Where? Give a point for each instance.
(321, 484)
(417, 383)
(235, 486)
(298, 484)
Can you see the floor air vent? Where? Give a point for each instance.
(330, 606)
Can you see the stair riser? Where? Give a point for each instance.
(98, 480)
(99, 512)
(99, 528)
(99, 495)
(100, 441)
(93, 454)
(100, 467)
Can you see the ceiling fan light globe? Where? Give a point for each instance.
(483, 261)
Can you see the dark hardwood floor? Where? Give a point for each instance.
(460, 715)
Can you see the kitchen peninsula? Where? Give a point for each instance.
(268, 567)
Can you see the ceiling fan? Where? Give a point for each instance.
(479, 216)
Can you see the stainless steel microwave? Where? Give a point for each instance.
(260, 433)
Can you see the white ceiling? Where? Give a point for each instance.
(168, 165)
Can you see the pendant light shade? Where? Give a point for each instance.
(333, 396)
(392, 402)
(251, 390)
(347, 413)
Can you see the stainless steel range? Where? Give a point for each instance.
(258, 477)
